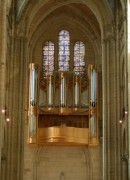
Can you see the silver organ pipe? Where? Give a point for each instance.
(93, 87)
(63, 90)
(32, 125)
(33, 99)
(93, 126)
(33, 85)
(50, 91)
(76, 92)
(93, 113)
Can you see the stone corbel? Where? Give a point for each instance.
(109, 32)
(3, 157)
(125, 157)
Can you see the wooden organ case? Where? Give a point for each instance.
(63, 108)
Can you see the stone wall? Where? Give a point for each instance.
(53, 163)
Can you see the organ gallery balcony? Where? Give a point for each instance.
(63, 108)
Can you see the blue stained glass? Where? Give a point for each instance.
(64, 50)
(48, 58)
(64, 35)
(79, 57)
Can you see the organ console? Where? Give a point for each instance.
(63, 107)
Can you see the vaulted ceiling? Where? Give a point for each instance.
(84, 12)
(85, 16)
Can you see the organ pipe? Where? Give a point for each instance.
(63, 90)
(50, 91)
(32, 128)
(33, 84)
(93, 87)
(33, 99)
(93, 126)
(76, 92)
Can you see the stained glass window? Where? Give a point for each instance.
(79, 57)
(64, 50)
(48, 58)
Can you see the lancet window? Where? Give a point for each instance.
(79, 57)
(64, 50)
(64, 55)
(48, 58)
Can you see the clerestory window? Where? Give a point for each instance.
(79, 57)
(63, 55)
(64, 51)
(48, 58)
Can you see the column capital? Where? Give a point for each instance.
(18, 37)
(109, 32)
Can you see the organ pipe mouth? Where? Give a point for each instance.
(33, 66)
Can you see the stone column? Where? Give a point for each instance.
(3, 45)
(16, 107)
(124, 170)
(110, 111)
(128, 64)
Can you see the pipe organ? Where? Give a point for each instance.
(63, 107)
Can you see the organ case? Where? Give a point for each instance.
(63, 107)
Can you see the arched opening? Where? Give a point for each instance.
(45, 22)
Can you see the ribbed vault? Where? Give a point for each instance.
(88, 17)
(95, 13)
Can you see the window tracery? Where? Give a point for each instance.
(63, 55)
(48, 58)
(79, 57)
(64, 51)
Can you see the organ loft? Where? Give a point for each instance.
(63, 107)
